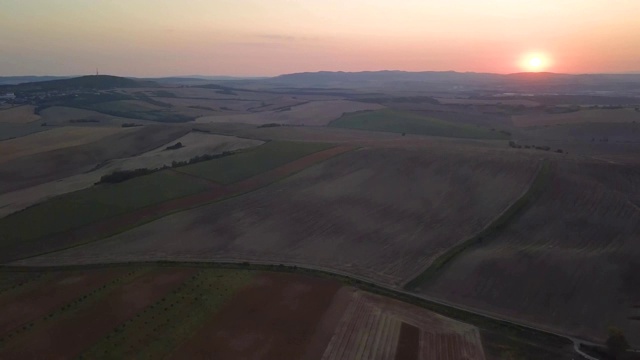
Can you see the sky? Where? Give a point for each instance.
(149, 38)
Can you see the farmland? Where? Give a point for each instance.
(193, 312)
(361, 202)
(563, 270)
(18, 114)
(42, 167)
(194, 144)
(405, 122)
(314, 113)
(79, 208)
(365, 189)
(246, 164)
(53, 139)
(624, 115)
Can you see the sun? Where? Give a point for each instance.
(535, 62)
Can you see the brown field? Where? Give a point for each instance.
(54, 139)
(569, 264)
(18, 114)
(69, 334)
(164, 312)
(315, 113)
(274, 317)
(582, 116)
(381, 213)
(195, 144)
(32, 170)
(37, 299)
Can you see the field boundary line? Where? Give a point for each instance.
(472, 316)
(502, 220)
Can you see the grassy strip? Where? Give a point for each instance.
(492, 229)
(161, 327)
(412, 123)
(243, 165)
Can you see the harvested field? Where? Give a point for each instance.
(53, 139)
(241, 166)
(314, 113)
(18, 114)
(582, 116)
(35, 169)
(405, 122)
(569, 263)
(112, 225)
(374, 327)
(87, 206)
(378, 213)
(195, 144)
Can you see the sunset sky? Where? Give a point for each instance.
(263, 38)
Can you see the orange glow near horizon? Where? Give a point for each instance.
(265, 38)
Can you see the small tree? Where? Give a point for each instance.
(616, 343)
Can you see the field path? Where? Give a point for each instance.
(136, 218)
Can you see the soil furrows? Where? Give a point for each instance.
(43, 297)
(389, 350)
(346, 323)
(382, 329)
(348, 337)
(374, 334)
(365, 333)
(82, 302)
(154, 332)
(61, 338)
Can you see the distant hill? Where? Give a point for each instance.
(97, 82)
(14, 80)
(543, 82)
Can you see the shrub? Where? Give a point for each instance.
(175, 146)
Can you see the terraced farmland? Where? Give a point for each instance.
(569, 263)
(381, 213)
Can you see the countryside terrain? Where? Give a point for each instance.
(318, 216)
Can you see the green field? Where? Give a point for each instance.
(410, 123)
(83, 207)
(230, 169)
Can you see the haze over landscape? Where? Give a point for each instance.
(402, 180)
(146, 38)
